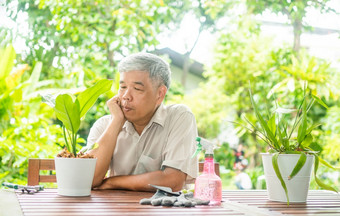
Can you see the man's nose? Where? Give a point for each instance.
(127, 95)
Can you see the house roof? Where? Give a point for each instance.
(177, 59)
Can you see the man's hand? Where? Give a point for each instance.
(115, 109)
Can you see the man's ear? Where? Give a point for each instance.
(161, 93)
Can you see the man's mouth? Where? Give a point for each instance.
(126, 108)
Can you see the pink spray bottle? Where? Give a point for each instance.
(208, 186)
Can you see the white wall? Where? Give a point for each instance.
(192, 81)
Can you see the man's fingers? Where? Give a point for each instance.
(118, 101)
(114, 100)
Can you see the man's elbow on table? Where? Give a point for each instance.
(173, 178)
(97, 181)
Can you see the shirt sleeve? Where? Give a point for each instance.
(181, 143)
(97, 130)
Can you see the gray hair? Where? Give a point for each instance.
(157, 68)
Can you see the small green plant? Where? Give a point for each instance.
(71, 109)
(283, 138)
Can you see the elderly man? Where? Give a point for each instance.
(143, 141)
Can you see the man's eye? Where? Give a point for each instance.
(138, 89)
(123, 87)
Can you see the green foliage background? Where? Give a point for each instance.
(70, 45)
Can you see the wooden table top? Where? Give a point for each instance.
(119, 202)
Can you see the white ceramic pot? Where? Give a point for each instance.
(297, 187)
(74, 175)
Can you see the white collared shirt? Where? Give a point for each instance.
(167, 141)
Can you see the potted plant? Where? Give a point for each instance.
(75, 171)
(288, 163)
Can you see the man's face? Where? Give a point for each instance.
(139, 97)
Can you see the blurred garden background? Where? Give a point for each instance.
(217, 49)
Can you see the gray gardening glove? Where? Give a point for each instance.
(188, 200)
(190, 196)
(159, 198)
(183, 201)
(164, 201)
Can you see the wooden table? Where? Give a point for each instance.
(115, 202)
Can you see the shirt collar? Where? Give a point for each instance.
(158, 118)
(160, 115)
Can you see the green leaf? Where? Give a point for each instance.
(271, 124)
(88, 97)
(281, 138)
(311, 128)
(7, 57)
(17, 95)
(67, 111)
(307, 141)
(315, 147)
(4, 174)
(298, 166)
(272, 151)
(263, 123)
(67, 144)
(317, 180)
(116, 82)
(328, 165)
(303, 126)
(292, 152)
(285, 143)
(278, 174)
(319, 101)
(19, 161)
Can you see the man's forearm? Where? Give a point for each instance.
(104, 152)
(170, 177)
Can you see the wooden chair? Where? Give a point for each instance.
(217, 168)
(34, 167)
